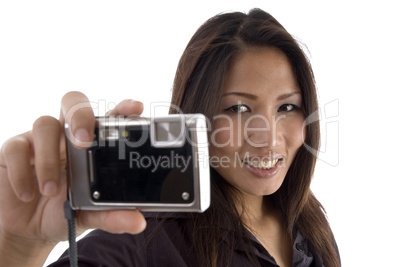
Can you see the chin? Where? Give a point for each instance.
(259, 189)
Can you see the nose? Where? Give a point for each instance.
(263, 131)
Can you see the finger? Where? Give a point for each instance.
(77, 113)
(46, 141)
(15, 158)
(127, 107)
(114, 221)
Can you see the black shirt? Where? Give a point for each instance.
(170, 245)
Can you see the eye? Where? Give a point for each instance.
(238, 108)
(287, 108)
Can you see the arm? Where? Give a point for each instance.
(33, 185)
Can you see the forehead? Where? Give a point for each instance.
(264, 69)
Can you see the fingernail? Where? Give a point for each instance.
(82, 135)
(49, 188)
(26, 196)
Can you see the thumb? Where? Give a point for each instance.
(113, 221)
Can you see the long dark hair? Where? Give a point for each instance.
(197, 89)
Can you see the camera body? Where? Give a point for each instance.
(153, 164)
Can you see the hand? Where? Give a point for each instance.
(33, 184)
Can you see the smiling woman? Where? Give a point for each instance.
(248, 75)
(265, 116)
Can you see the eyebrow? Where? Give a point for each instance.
(254, 97)
(247, 95)
(285, 96)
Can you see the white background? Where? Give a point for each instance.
(112, 50)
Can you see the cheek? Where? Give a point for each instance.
(295, 132)
(221, 133)
(224, 134)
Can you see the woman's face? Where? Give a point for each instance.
(259, 129)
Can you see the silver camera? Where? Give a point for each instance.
(154, 164)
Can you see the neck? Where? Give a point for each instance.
(261, 217)
(255, 209)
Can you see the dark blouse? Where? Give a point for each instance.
(170, 245)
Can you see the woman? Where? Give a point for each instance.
(253, 82)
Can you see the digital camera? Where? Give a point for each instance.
(153, 164)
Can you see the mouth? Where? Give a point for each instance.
(264, 167)
(262, 164)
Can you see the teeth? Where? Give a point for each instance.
(263, 164)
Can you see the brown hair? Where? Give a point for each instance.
(197, 89)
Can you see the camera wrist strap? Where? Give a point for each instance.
(70, 215)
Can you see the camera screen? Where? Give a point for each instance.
(130, 169)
